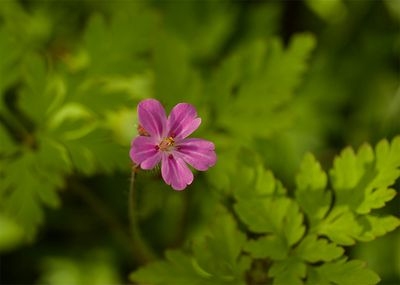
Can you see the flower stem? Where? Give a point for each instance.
(143, 252)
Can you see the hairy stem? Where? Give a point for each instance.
(143, 253)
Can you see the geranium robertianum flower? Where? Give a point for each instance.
(165, 139)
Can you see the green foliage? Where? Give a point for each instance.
(361, 182)
(288, 271)
(343, 272)
(60, 129)
(255, 73)
(299, 253)
(30, 181)
(214, 258)
(373, 175)
(178, 268)
(255, 85)
(311, 194)
(314, 249)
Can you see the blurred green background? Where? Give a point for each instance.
(279, 77)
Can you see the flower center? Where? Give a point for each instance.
(166, 144)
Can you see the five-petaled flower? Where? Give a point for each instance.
(165, 139)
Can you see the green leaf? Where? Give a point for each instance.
(346, 175)
(361, 181)
(252, 181)
(293, 227)
(178, 268)
(314, 249)
(97, 152)
(119, 54)
(270, 246)
(8, 64)
(217, 252)
(215, 259)
(41, 91)
(262, 66)
(263, 215)
(71, 121)
(310, 192)
(220, 176)
(375, 226)
(122, 125)
(343, 272)
(280, 216)
(388, 158)
(98, 95)
(289, 271)
(209, 38)
(340, 226)
(387, 169)
(174, 76)
(31, 181)
(311, 175)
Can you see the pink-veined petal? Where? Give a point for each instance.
(182, 121)
(144, 152)
(151, 162)
(175, 172)
(199, 153)
(152, 117)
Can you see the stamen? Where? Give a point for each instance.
(167, 144)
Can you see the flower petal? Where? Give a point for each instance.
(175, 172)
(182, 121)
(151, 162)
(144, 153)
(152, 117)
(199, 153)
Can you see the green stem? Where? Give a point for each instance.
(143, 252)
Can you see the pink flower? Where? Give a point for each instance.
(165, 139)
